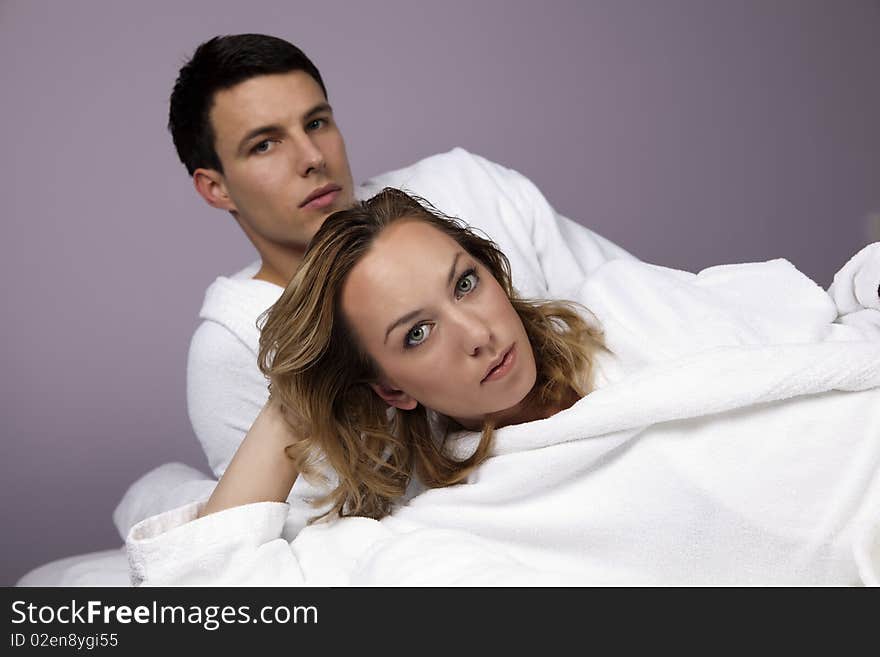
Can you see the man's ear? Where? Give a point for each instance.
(394, 397)
(211, 186)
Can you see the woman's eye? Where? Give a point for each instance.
(466, 283)
(417, 335)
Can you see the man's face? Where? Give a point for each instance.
(279, 145)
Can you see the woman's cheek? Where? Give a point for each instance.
(417, 376)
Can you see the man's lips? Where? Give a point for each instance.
(501, 366)
(321, 197)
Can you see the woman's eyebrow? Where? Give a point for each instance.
(452, 269)
(403, 320)
(415, 313)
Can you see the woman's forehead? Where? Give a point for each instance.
(406, 265)
(408, 247)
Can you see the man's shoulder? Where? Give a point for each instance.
(211, 340)
(231, 307)
(457, 167)
(238, 297)
(456, 182)
(457, 156)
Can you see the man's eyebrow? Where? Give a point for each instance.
(415, 313)
(273, 129)
(318, 109)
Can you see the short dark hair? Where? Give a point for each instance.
(221, 63)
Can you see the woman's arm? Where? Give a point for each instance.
(260, 471)
(245, 544)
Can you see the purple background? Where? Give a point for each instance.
(691, 132)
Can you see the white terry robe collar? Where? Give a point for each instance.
(235, 301)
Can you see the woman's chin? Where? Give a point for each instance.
(514, 409)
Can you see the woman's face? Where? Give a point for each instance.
(439, 326)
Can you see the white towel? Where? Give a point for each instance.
(722, 451)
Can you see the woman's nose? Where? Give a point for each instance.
(476, 334)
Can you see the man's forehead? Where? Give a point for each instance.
(264, 100)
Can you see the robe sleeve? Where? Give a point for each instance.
(239, 546)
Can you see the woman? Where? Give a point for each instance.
(400, 353)
(449, 335)
(458, 353)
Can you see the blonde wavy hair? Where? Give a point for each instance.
(320, 375)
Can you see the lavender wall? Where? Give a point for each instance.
(691, 132)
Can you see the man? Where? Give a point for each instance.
(250, 120)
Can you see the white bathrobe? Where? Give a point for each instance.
(225, 390)
(734, 439)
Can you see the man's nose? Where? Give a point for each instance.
(310, 159)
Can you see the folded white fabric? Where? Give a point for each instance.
(652, 314)
(856, 286)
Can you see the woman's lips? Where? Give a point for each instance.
(503, 368)
(323, 200)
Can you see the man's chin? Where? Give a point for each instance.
(345, 201)
(338, 205)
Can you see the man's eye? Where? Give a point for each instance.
(466, 283)
(314, 125)
(417, 335)
(263, 147)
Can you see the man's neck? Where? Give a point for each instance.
(278, 273)
(279, 262)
